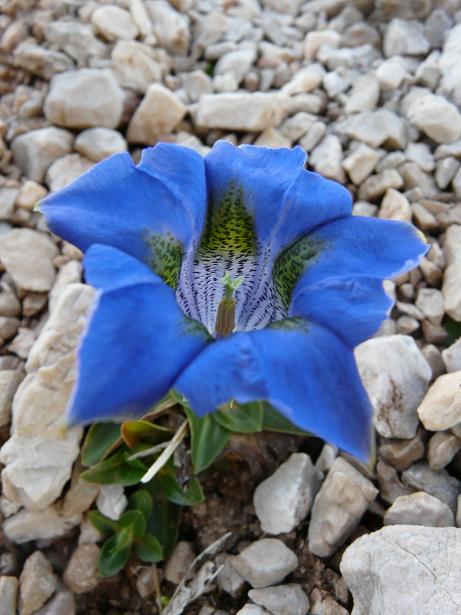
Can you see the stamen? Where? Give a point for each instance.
(225, 317)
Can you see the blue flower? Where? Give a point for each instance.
(238, 276)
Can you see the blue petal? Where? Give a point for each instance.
(304, 370)
(119, 204)
(285, 200)
(137, 341)
(341, 287)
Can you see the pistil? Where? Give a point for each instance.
(225, 317)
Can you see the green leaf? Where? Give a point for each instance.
(193, 494)
(134, 431)
(98, 442)
(149, 549)
(240, 418)
(165, 518)
(141, 500)
(274, 421)
(453, 328)
(102, 523)
(115, 553)
(208, 439)
(134, 521)
(116, 470)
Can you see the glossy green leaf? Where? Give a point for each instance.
(115, 553)
(134, 431)
(240, 418)
(274, 421)
(149, 549)
(117, 469)
(98, 442)
(133, 520)
(141, 500)
(102, 523)
(165, 518)
(208, 440)
(192, 494)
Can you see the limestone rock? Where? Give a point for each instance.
(41, 61)
(284, 499)
(111, 501)
(451, 288)
(452, 357)
(81, 574)
(441, 407)
(443, 446)
(419, 509)
(440, 484)
(99, 143)
(327, 158)
(396, 376)
(76, 39)
(265, 562)
(179, 561)
(34, 151)
(85, 98)
(136, 65)
(287, 599)
(28, 257)
(404, 37)
(338, 508)
(395, 206)
(65, 170)
(450, 84)
(8, 595)
(114, 23)
(62, 603)
(38, 456)
(36, 583)
(46, 524)
(158, 114)
(436, 117)
(170, 27)
(404, 569)
(361, 161)
(240, 110)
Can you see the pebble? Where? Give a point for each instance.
(81, 573)
(316, 39)
(158, 114)
(419, 509)
(450, 83)
(364, 94)
(99, 143)
(338, 507)
(287, 599)
(171, 28)
(252, 609)
(114, 23)
(430, 302)
(35, 150)
(376, 128)
(360, 162)
(441, 407)
(37, 583)
(376, 185)
(265, 562)
(240, 111)
(402, 453)
(442, 447)
(84, 98)
(284, 500)
(452, 357)
(111, 501)
(327, 158)
(440, 484)
(436, 117)
(28, 257)
(405, 38)
(62, 603)
(30, 195)
(395, 206)
(76, 39)
(404, 569)
(8, 595)
(396, 376)
(45, 524)
(65, 170)
(9, 383)
(179, 561)
(40, 61)
(38, 456)
(451, 288)
(137, 66)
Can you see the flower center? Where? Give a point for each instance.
(225, 317)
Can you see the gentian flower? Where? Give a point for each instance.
(238, 276)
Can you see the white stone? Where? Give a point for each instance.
(361, 161)
(111, 501)
(442, 447)
(170, 27)
(395, 206)
(76, 39)
(364, 94)
(419, 509)
(405, 38)
(452, 357)
(9, 382)
(39, 454)
(338, 507)
(420, 153)
(449, 64)
(430, 302)
(228, 579)
(30, 195)
(396, 376)
(436, 117)
(137, 66)
(420, 477)
(236, 63)
(441, 407)
(8, 595)
(114, 23)
(158, 114)
(140, 17)
(240, 111)
(327, 158)
(405, 569)
(99, 143)
(85, 98)
(284, 499)
(46, 524)
(70, 273)
(252, 609)
(28, 257)
(391, 73)
(288, 599)
(41, 61)
(316, 39)
(305, 80)
(34, 151)
(451, 288)
(37, 583)
(65, 170)
(376, 128)
(265, 562)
